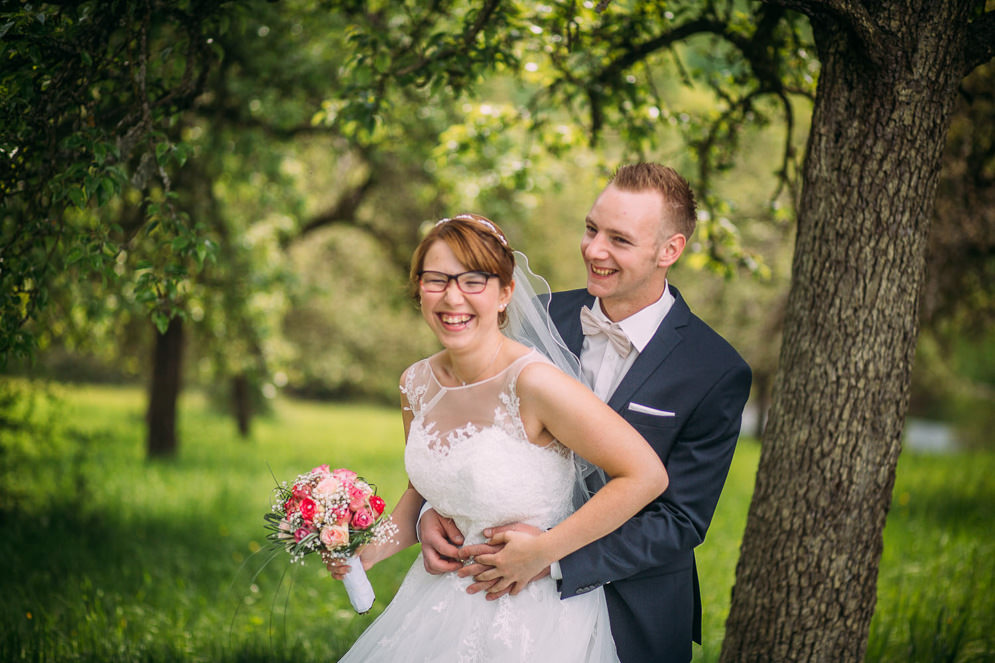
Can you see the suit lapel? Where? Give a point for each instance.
(667, 337)
(570, 329)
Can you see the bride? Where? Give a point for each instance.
(492, 427)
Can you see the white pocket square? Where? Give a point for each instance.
(636, 407)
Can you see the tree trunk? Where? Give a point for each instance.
(242, 403)
(806, 579)
(165, 390)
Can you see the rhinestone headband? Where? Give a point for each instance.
(487, 224)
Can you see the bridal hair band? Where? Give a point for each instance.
(484, 222)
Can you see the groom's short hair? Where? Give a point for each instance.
(675, 190)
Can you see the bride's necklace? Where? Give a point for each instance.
(463, 383)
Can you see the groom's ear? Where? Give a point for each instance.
(671, 249)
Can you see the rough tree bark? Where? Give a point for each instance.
(164, 391)
(806, 580)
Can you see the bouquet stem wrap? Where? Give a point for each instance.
(358, 586)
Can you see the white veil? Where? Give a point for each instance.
(529, 323)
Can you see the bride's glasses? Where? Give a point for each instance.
(469, 283)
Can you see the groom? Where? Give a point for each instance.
(670, 376)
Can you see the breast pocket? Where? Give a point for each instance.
(650, 417)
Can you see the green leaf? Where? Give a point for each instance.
(181, 153)
(161, 321)
(106, 190)
(77, 196)
(74, 256)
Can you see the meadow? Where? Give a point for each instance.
(109, 557)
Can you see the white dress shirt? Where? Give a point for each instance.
(601, 367)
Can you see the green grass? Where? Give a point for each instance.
(109, 557)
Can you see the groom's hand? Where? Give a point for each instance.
(475, 569)
(471, 567)
(440, 541)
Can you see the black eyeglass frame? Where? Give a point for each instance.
(456, 277)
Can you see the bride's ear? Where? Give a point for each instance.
(505, 298)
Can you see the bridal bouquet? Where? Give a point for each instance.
(333, 513)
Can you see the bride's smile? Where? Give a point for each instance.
(455, 321)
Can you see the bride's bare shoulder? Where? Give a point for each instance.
(541, 377)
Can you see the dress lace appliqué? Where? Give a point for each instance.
(468, 455)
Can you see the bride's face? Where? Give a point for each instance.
(457, 318)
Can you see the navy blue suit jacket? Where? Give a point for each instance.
(647, 565)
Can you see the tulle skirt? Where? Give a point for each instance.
(433, 619)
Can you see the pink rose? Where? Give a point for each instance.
(321, 469)
(358, 496)
(327, 486)
(377, 504)
(344, 475)
(362, 519)
(301, 533)
(334, 536)
(284, 529)
(301, 491)
(290, 506)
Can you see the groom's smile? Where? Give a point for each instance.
(602, 271)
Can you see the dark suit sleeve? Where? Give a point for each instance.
(697, 456)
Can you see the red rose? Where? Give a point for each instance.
(290, 506)
(340, 515)
(301, 533)
(377, 504)
(308, 507)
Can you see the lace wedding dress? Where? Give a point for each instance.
(468, 455)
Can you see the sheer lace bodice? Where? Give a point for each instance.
(468, 454)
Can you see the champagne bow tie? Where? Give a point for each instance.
(592, 325)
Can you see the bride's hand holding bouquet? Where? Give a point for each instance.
(333, 513)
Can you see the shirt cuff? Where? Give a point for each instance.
(554, 571)
(424, 507)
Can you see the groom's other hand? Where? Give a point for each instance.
(477, 568)
(440, 542)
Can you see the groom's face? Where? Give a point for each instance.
(622, 249)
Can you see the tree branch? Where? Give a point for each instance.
(466, 40)
(344, 210)
(641, 51)
(854, 16)
(980, 47)
(233, 116)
